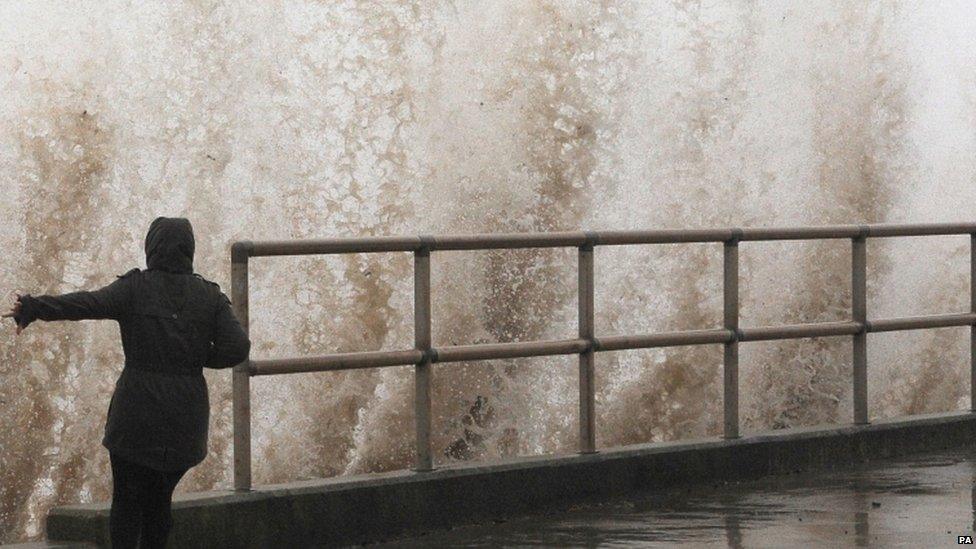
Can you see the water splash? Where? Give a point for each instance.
(367, 118)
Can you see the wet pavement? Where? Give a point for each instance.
(921, 501)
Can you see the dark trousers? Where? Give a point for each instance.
(141, 500)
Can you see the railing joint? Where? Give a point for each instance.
(735, 237)
(866, 327)
(240, 251)
(591, 239)
(430, 355)
(426, 243)
(594, 345)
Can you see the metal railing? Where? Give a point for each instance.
(586, 344)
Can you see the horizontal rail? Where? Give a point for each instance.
(922, 322)
(518, 349)
(929, 229)
(663, 339)
(796, 331)
(524, 349)
(508, 240)
(457, 353)
(412, 243)
(581, 238)
(667, 236)
(330, 246)
(334, 362)
(804, 233)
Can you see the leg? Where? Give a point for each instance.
(157, 517)
(125, 517)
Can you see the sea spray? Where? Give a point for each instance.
(315, 119)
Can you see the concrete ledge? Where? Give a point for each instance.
(362, 508)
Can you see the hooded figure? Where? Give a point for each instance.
(173, 323)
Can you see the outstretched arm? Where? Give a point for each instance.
(231, 345)
(111, 301)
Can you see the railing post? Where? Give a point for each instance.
(421, 335)
(587, 392)
(730, 359)
(241, 391)
(859, 313)
(972, 329)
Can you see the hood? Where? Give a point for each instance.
(169, 245)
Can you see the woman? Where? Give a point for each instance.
(173, 323)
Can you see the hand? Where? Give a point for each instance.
(15, 312)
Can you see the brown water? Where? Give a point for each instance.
(300, 119)
(924, 501)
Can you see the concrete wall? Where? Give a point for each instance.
(373, 507)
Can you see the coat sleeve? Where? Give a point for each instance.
(230, 345)
(111, 301)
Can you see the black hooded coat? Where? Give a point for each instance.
(173, 323)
